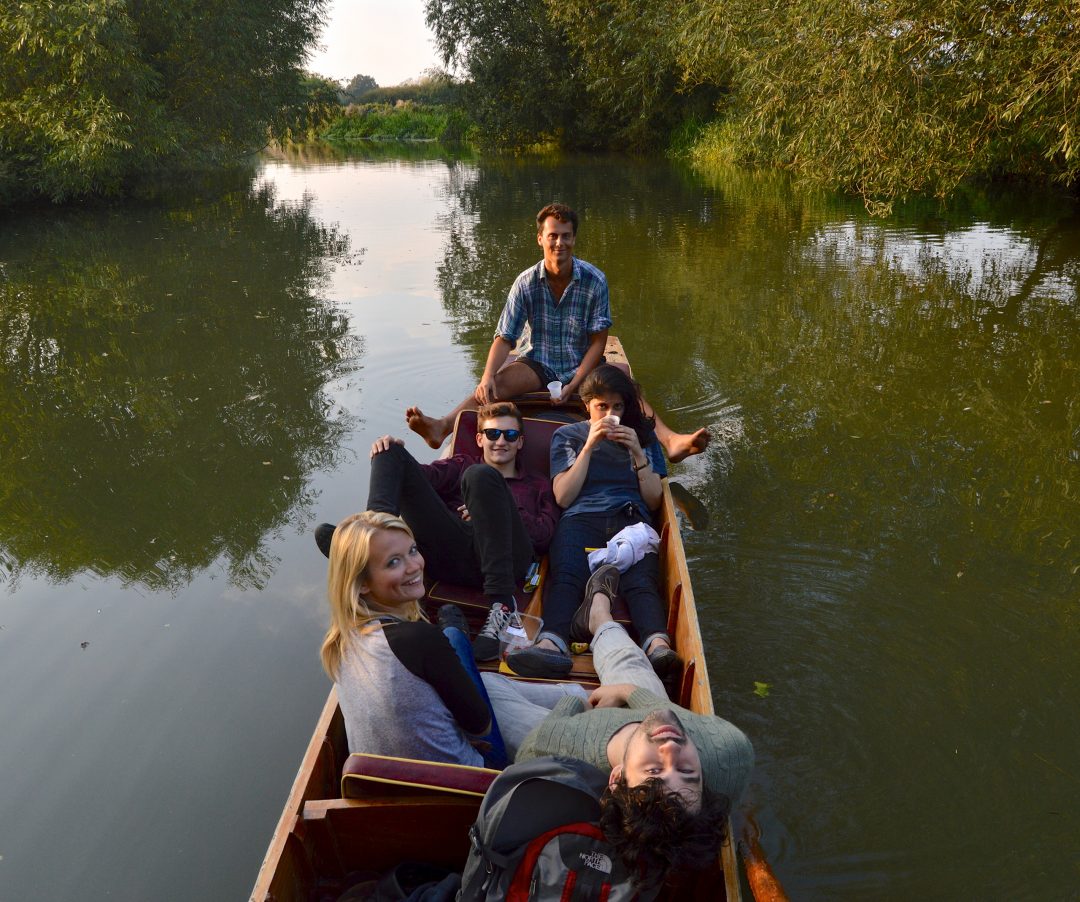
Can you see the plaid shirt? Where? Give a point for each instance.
(558, 334)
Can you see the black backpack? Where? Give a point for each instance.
(536, 838)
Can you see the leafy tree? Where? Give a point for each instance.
(358, 87)
(899, 96)
(630, 66)
(94, 93)
(522, 83)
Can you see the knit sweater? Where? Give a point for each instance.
(574, 730)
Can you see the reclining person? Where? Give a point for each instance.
(564, 301)
(674, 774)
(476, 524)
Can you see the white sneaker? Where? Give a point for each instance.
(485, 646)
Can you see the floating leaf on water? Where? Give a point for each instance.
(761, 689)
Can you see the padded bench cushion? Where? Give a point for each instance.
(365, 775)
(534, 453)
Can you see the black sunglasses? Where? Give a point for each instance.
(512, 435)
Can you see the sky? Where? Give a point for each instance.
(386, 39)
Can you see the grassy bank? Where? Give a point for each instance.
(401, 122)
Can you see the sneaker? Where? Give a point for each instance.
(485, 646)
(605, 580)
(545, 663)
(451, 615)
(324, 535)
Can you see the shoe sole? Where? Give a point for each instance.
(537, 666)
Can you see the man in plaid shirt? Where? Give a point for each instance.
(564, 303)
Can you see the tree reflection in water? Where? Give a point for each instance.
(162, 380)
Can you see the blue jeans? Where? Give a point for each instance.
(569, 571)
(496, 757)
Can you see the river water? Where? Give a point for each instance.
(889, 583)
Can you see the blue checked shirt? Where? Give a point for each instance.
(558, 333)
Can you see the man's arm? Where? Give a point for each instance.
(499, 351)
(538, 512)
(594, 353)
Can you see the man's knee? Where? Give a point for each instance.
(480, 476)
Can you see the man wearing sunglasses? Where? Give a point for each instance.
(475, 524)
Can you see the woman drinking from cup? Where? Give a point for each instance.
(606, 476)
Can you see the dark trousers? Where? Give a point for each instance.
(491, 551)
(568, 571)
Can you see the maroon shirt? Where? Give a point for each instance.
(532, 493)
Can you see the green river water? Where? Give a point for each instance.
(889, 585)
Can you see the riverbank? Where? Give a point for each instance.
(404, 121)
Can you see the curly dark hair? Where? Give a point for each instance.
(653, 832)
(610, 380)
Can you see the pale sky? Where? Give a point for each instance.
(386, 39)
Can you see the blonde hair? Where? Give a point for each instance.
(350, 554)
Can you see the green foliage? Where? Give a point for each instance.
(320, 107)
(888, 99)
(357, 87)
(434, 88)
(629, 65)
(95, 93)
(898, 97)
(380, 121)
(523, 86)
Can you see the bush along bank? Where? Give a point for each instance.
(401, 122)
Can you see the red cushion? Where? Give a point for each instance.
(535, 454)
(365, 775)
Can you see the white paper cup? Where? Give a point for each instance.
(611, 419)
(520, 632)
(555, 388)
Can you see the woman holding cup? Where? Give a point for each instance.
(606, 476)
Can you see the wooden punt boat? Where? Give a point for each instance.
(350, 814)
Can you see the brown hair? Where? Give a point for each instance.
(561, 212)
(350, 554)
(499, 409)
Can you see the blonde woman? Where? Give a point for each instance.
(402, 682)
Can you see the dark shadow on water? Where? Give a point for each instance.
(162, 373)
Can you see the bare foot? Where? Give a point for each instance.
(680, 445)
(431, 430)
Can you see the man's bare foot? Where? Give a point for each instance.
(431, 430)
(680, 445)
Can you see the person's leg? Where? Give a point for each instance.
(496, 756)
(678, 445)
(520, 707)
(640, 586)
(513, 379)
(617, 658)
(397, 485)
(568, 571)
(500, 539)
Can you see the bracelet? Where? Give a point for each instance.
(643, 466)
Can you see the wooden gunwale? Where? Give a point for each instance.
(299, 844)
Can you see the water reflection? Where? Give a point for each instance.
(893, 544)
(161, 386)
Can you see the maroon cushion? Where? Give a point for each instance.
(365, 775)
(535, 454)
